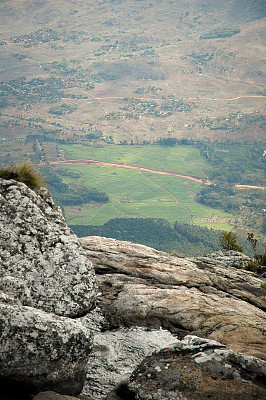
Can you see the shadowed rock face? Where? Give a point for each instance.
(42, 262)
(142, 286)
(197, 369)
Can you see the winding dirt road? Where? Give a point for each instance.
(82, 161)
(95, 162)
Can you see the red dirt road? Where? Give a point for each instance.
(82, 161)
(94, 162)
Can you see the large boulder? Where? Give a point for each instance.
(197, 369)
(145, 287)
(40, 351)
(42, 262)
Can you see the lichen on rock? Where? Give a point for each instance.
(197, 369)
(41, 351)
(38, 250)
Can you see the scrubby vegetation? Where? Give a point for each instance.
(221, 33)
(25, 173)
(76, 194)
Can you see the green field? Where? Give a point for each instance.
(142, 194)
(180, 159)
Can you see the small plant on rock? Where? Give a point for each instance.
(25, 172)
(259, 260)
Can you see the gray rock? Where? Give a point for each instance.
(41, 351)
(141, 286)
(41, 259)
(115, 354)
(16, 287)
(8, 299)
(230, 258)
(197, 369)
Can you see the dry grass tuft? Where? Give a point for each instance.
(26, 173)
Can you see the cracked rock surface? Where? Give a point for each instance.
(144, 287)
(41, 260)
(197, 369)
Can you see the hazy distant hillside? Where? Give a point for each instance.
(100, 73)
(131, 70)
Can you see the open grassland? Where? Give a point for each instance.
(135, 193)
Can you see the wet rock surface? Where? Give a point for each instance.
(197, 369)
(41, 259)
(141, 286)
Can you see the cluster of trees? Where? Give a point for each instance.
(127, 48)
(234, 163)
(185, 239)
(176, 105)
(149, 90)
(36, 89)
(234, 122)
(231, 162)
(221, 33)
(65, 195)
(47, 36)
(200, 58)
(62, 109)
(157, 233)
(136, 108)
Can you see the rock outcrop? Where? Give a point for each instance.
(117, 352)
(197, 369)
(230, 258)
(148, 300)
(45, 277)
(42, 262)
(141, 286)
(40, 351)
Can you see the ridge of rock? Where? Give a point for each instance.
(141, 286)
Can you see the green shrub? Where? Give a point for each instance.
(26, 173)
(228, 242)
(256, 263)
